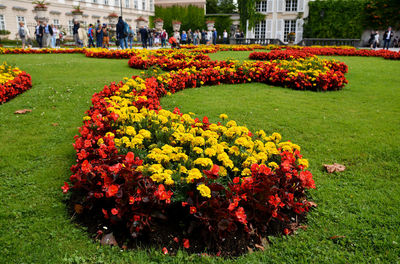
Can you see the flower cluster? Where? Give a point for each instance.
(13, 81)
(279, 55)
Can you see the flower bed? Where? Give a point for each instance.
(39, 51)
(12, 82)
(177, 181)
(141, 168)
(303, 74)
(301, 52)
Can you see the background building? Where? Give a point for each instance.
(59, 12)
(167, 3)
(281, 18)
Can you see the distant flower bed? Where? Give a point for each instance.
(302, 52)
(12, 82)
(39, 51)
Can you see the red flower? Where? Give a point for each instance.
(114, 211)
(130, 157)
(86, 166)
(184, 204)
(193, 210)
(213, 173)
(241, 215)
(165, 251)
(112, 190)
(176, 239)
(65, 188)
(186, 243)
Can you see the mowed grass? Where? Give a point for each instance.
(358, 215)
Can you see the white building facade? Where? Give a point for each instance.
(59, 13)
(282, 17)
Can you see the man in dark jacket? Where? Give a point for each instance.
(99, 35)
(75, 32)
(387, 37)
(143, 36)
(39, 34)
(120, 32)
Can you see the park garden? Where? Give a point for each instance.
(207, 154)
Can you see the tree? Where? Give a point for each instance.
(212, 7)
(226, 6)
(247, 11)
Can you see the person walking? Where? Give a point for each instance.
(83, 37)
(99, 35)
(54, 36)
(164, 38)
(203, 37)
(120, 32)
(131, 34)
(375, 42)
(75, 32)
(91, 36)
(214, 37)
(106, 37)
(177, 36)
(23, 34)
(143, 36)
(39, 34)
(225, 37)
(184, 38)
(387, 36)
(47, 34)
(150, 37)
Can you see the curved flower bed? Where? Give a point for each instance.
(303, 74)
(141, 169)
(12, 82)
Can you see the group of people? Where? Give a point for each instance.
(387, 38)
(46, 35)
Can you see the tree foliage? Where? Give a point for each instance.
(247, 11)
(379, 14)
(220, 7)
(192, 17)
(335, 19)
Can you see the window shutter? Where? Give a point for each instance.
(300, 5)
(279, 29)
(299, 30)
(269, 6)
(268, 29)
(281, 6)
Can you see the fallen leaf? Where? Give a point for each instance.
(109, 239)
(54, 124)
(336, 167)
(336, 237)
(23, 111)
(78, 208)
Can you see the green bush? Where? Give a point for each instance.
(222, 23)
(192, 17)
(335, 19)
(4, 32)
(379, 14)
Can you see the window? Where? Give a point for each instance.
(70, 27)
(290, 27)
(144, 4)
(2, 23)
(94, 1)
(127, 3)
(259, 30)
(20, 19)
(116, 3)
(261, 6)
(56, 23)
(136, 4)
(151, 5)
(291, 5)
(106, 2)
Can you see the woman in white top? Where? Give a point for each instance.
(54, 37)
(376, 39)
(177, 36)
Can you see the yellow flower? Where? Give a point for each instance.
(193, 174)
(223, 116)
(204, 190)
(198, 150)
(303, 162)
(205, 162)
(273, 165)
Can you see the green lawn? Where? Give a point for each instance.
(358, 127)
